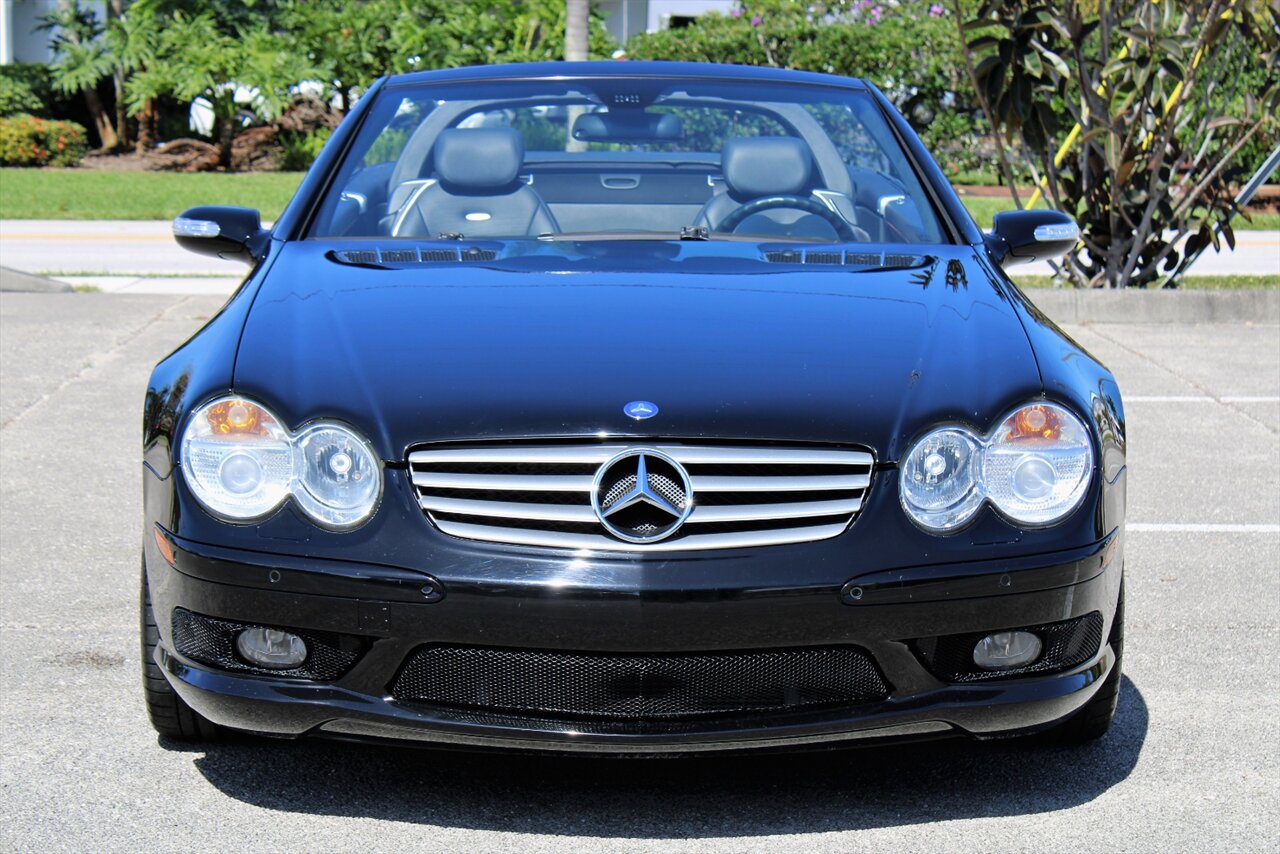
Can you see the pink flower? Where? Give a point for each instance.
(755, 20)
(936, 10)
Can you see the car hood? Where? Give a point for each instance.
(727, 350)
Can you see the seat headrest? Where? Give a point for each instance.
(480, 158)
(766, 166)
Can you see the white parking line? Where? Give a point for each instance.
(1201, 528)
(1200, 398)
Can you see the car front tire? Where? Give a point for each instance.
(170, 716)
(1093, 721)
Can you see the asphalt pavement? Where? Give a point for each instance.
(1191, 764)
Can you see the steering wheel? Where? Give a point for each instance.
(844, 231)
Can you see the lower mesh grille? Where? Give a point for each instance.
(213, 641)
(637, 687)
(1066, 645)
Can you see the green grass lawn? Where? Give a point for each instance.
(85, 194)
(1188, 283)
(983, 208)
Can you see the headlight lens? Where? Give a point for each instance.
(1034, 468)
(940, 479)
(237, 458)
(338, 475)
(241, 463)
(1037, 464)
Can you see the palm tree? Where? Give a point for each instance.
(83, 61)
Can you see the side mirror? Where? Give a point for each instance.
(1021, 237)
(223, 232)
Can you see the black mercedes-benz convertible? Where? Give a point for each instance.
(630, 408)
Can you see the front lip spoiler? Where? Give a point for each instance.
(292, 709)
(385, 583)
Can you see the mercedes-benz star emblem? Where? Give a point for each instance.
(642, 496)
(640, 409)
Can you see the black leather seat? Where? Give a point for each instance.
(476, 190)
(762, 166)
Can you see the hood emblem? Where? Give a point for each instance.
(640, 409)
(642, 496)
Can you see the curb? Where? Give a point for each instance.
(16, 281)
(1065, 305)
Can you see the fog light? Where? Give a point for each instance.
(1006, 650)
(271, 648)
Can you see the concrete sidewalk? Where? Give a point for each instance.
(122, 247)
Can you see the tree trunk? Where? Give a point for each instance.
(101, 120)
(146, 128)
(122, 115)
(576, 23)
(115, 9)
(224, 125)
(226, 134)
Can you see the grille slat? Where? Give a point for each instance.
(685, 454)
(510, 509)
(801, 483)
(638, 687)
(504, 482)
(753, 512)
(692, 542)
(540, 494)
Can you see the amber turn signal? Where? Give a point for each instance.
(238, 417)
(1037, 422)
(165, 547)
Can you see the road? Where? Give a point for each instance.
(147, 249)
(1191, 764)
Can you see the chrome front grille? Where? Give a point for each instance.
(541, 494)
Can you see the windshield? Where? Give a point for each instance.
(627, 158)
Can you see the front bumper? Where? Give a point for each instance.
(878, 612)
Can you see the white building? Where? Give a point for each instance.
(625, 18)
(21, 39)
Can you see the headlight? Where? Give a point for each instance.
(940, 479)
(338, 475)
(1037, 464)
(241, 463)
(1034, 468)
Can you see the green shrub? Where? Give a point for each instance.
(300, 150)
(909, 48)
(25, 88)
(33, 141)
(17, 98)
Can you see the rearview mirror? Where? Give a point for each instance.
(630, 125)
(223, 232)
(1021, 237)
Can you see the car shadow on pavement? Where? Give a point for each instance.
(742, 795)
